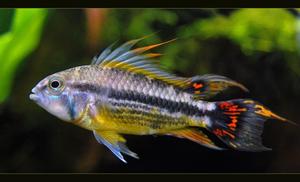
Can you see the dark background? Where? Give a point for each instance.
(256, 47)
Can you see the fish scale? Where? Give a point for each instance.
(152, 120)
(124, 92)
(130, 84)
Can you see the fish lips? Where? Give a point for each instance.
(33, 96)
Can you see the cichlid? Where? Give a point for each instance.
(123, 91)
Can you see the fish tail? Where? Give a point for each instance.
(239, 123)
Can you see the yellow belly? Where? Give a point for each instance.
(129, 121)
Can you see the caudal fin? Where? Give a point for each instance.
(239, 123)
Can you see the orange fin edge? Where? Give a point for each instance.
(195, 136)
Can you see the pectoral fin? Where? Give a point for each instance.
(115, 142)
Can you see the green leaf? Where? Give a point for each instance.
(18, 43)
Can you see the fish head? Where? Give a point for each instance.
(56, 95)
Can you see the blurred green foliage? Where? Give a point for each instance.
(18, 42)
(253, 29)
(133, 24)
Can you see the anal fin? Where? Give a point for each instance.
(115, 142)
(195, 136)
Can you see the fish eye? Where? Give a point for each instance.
(56, 85)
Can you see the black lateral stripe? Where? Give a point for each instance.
(133, 105)
(44, 87)
(171, 106)
(85, 87)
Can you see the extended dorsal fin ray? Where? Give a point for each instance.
(109, 54)
(137, 61)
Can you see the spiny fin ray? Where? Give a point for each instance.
(137, 62)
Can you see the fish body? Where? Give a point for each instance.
(124, 92)
(131, 103)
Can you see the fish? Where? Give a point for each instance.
(125, 91)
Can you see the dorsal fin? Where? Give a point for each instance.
(137, 61)
(107, 54)
(208, 85)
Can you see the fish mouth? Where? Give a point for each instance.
(33, 96)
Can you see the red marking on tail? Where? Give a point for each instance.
(233, 111)
(224, 105)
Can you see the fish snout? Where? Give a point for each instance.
(33, 95)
